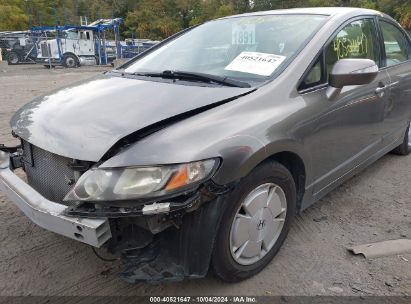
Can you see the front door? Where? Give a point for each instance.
(86, 43)
(347, 130)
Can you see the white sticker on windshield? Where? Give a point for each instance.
(255, 63)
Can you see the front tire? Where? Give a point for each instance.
(405, 147)
(70, 61)
(255, 223)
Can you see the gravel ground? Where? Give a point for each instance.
(373, 206)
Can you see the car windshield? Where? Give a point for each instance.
(249, 48)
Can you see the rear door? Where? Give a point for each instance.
(396, 49)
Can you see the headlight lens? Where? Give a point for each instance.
(130, 183)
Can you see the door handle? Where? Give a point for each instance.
(380, 90)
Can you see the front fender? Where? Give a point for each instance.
(239, 154)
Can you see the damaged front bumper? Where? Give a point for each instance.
(47, 214)
(158, 241)
(174, 245)
(181, 251)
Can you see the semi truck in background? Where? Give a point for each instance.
(74, 46)
(71, 46)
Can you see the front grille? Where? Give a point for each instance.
(45, 49)
(47, 173)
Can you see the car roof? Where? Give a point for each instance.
(331, 11)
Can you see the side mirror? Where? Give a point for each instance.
(350, 72)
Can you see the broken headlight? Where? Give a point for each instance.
(139, 182)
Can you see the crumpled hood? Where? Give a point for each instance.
(85, 120)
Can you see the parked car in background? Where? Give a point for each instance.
(199, 152)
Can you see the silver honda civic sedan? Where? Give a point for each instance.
(197, 154)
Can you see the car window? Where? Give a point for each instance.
(356, 40)
(395, 44)
(314, 76)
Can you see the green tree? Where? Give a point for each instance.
(403, 13)
(158, 19)
(12, 17)
(211, 9)
(152, 19)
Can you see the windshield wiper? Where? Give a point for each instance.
(196, 76)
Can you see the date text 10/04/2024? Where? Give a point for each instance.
(203, 299)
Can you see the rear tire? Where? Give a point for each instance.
(268, 189)
(13, 58)
(405, 147)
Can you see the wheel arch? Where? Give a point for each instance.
(291, 157)
(295, 164)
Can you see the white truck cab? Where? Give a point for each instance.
(72, 48)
